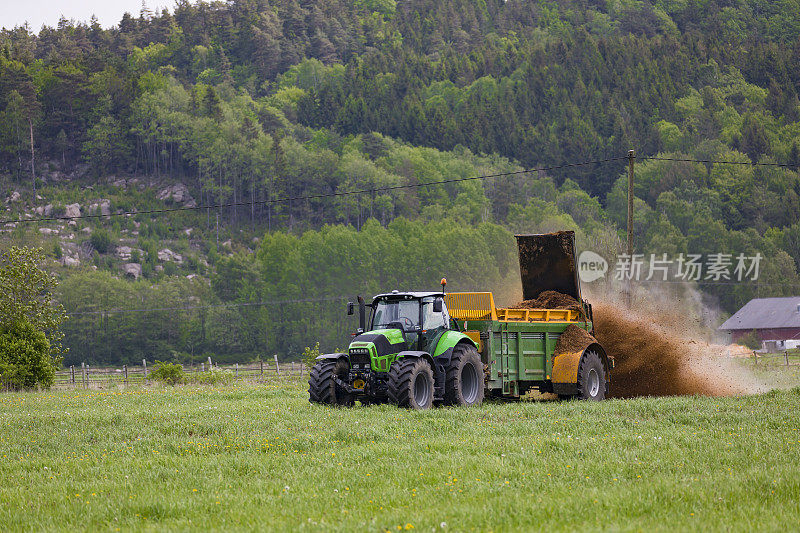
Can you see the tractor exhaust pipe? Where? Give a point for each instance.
(362, 315)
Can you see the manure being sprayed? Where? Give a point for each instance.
(659, 352)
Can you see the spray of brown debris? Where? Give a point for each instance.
(661, 347)
(659, 353)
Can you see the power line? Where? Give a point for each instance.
(717, 162)
(317, 196)
(750, 283)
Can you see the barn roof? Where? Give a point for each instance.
(766, 313)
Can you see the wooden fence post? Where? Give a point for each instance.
(755, 357)
(202, 367)
(786, 356)
(144, 364)
(210, 367)
(125, 369)
(261, 364)
(72, 371)
(237, 370)
(277, 368)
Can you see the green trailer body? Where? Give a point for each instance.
(518, 346)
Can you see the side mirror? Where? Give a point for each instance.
(350, 308)
(437, 305)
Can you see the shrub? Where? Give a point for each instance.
(168, 373)
(100, 240)
(212, 377)
(310, 355)
(57, 251)
(25, 360)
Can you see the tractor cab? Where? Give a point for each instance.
(420, 317)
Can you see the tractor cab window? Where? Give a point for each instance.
(431, 319)
(406, 312)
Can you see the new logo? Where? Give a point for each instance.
(591, 266)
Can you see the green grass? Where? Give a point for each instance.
(259, 456)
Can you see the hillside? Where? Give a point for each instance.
(250, 103)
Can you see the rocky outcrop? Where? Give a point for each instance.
(14, 197)
(178, 194)
(70, 261)
(103, 206)
(123, 252)
(126, 252)
(168, 255)
(44, 210)
(72, 210)
(133, 270)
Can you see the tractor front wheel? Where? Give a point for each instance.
(322, 386)
(411, 383)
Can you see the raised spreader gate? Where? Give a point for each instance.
(435, 348)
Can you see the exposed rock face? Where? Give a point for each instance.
(72, 210)
(104, 206)
(15, 197)
(178, 194)
(44, 210)
(133, 270)
(168, 255)
(48, 231)
(126, 252)
(123, 252)
(70, 261)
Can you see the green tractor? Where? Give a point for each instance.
(412, 355)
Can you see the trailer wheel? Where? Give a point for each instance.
(464, 379)
(411, 383)
(591, 377)
(322, 387)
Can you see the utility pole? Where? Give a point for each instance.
(33, 159)
(631, 157)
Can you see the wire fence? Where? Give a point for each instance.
(90, 377)
(776, 359)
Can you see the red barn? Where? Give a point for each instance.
(776, 322)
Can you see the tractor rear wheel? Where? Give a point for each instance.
(411, 383)
(591, 377)
(464, 379)
(322, 386)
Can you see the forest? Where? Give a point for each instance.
(273, 111)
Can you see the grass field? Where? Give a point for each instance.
(259, 456)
